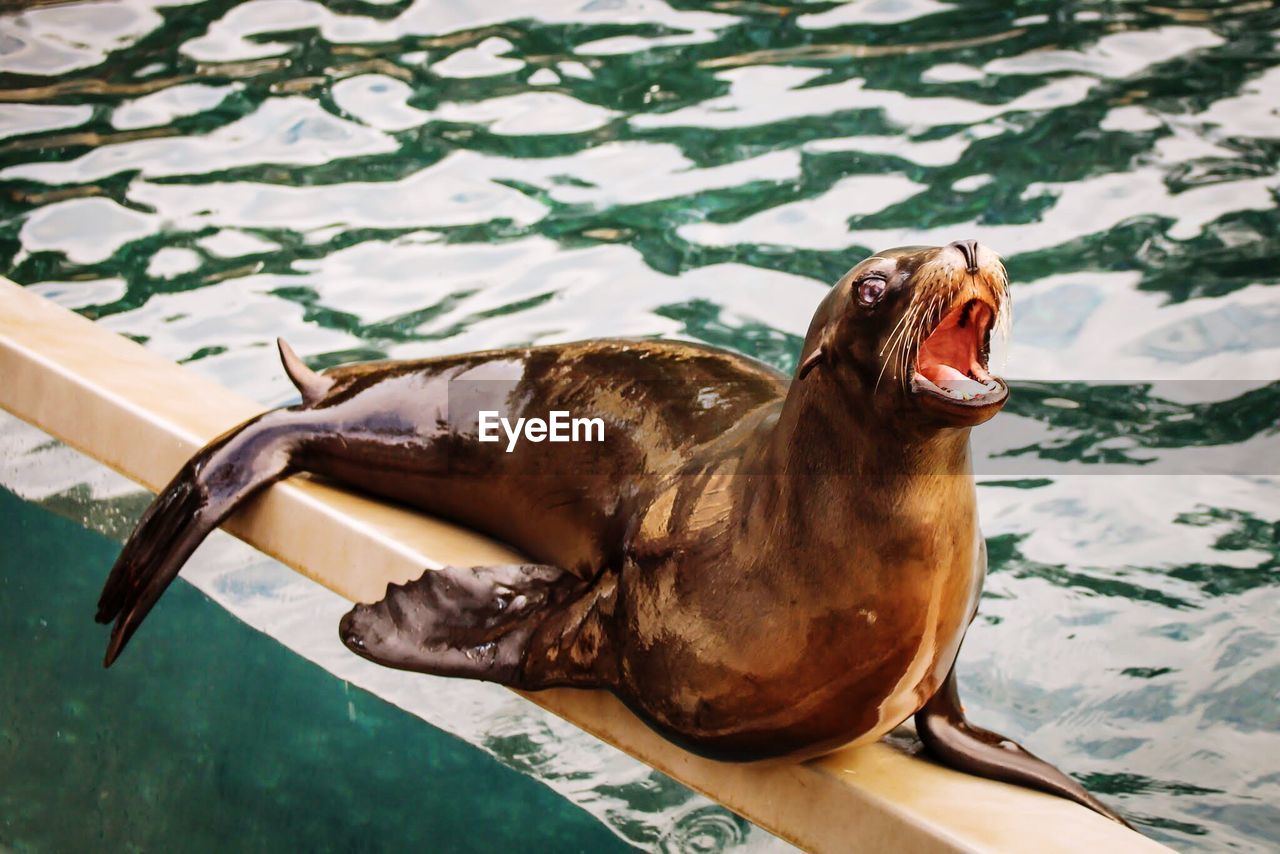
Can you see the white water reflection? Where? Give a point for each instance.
(230, 243)
(82, 293)
(817, 223)
(763, 94)
(232, 37)
(1115, 55)
(484, 60)
(283, 130)
(85, 230)
(1079, 208)
(161, 108)
(463, 188)
(57, 39)
(379, 101)
(446, 193)
(1252, 113)
(528, 114)
(1100, 327)
(172, 261)
(20, 119)
(872, 12)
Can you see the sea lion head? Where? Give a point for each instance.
(911, 328)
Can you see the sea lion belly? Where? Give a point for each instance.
(804, 652)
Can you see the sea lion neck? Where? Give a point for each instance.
(828, 425)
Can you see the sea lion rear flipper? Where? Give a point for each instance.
(955, 742)
(218, 479)
(477, 622)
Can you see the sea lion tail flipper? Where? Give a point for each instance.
(955, 742)
(219, 478)
(476, 622)
(311, 385)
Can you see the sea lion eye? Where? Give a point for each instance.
(870, 290)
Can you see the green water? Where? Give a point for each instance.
(406, 179)
(217, 738)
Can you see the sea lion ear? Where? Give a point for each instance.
(811, 361)
(821, 354)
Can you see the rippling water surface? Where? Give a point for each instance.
(408, 179)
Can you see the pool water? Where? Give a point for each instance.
(407, 179)
(153, 756)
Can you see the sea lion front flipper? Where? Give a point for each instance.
(955, 742)
(476, 622)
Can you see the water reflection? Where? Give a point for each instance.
(410, 179)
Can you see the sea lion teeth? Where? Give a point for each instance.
(963, 388)
(711, 561)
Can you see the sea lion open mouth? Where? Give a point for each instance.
(951, 363)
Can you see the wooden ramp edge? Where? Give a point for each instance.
(144, 416)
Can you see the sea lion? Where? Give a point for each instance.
(758, 568)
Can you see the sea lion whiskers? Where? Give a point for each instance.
(897, 334)
(902, 347)
(896, 342)
(925, 321)
(928, 320)
(894, 331)
(910, 331)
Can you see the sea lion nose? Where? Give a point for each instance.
(969, 249)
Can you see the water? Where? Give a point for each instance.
(399, 180)
(151, 756)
